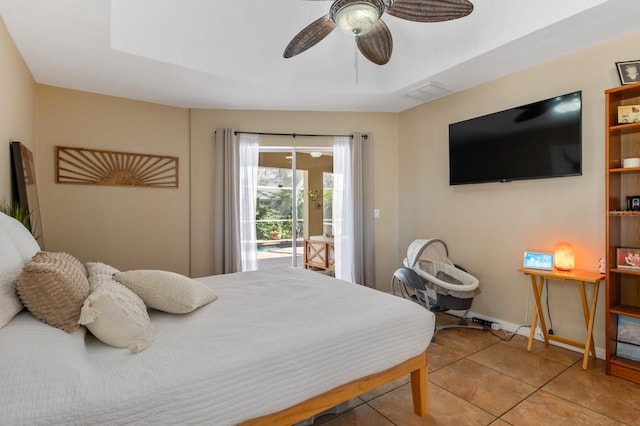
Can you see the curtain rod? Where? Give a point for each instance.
(293, 135)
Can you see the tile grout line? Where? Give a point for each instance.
(575, 402)
(374, 409)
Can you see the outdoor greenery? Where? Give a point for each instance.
(274, 204)
(275, 201)
(273, 215)
(327, 203)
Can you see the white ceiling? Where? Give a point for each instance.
(228, 53)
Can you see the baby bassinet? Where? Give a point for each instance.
(448, 286)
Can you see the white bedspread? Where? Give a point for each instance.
(272, 339)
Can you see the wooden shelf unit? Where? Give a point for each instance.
(622, 227)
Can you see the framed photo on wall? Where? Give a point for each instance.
(629, 72)
(25, 189)
(628, 258)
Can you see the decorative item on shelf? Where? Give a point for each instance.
(628, 258)
(633, 203)
(631, 162)
(564, 257)
(628, 114)
(314, 197)
(629, 72)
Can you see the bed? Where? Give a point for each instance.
(275, 347)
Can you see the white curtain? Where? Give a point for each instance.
(352, 203)
(249, 154)
(235, 190)
(343, 210)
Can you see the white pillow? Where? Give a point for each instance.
(115, 315)
(11, 265)
(167, 291)
(17, 246)
(95, 269)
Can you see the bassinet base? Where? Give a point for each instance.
(446, 302)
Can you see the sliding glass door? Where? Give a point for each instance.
(279, 214)
(292, 203)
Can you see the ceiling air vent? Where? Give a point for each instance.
(429, 92)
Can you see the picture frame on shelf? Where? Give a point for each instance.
(629, 72)
(628, 258)
(633, 203)
(628, 114)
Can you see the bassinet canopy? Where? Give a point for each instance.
(430, 259)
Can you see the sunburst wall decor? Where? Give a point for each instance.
(113, 168)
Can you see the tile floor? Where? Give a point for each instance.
(476, 378)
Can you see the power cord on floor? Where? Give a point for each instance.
(508, 337)
(492, 331)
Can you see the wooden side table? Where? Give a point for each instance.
(538, 280)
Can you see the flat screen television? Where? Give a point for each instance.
(539, 140)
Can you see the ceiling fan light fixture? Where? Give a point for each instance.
(357, 18)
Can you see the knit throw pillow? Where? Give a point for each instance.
(167, 291)
(114, 314)
(53, 287)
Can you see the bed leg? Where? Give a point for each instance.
(419, 387)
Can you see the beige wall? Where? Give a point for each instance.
(488, 226)
(17, 107)
(384, 128)
(127, 227)
(149, 228)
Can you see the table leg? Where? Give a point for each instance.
(585, 309)
(592, 315)
(537, 285)
(534, 321)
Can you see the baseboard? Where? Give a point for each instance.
(524, 330)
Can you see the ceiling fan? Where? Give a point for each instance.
(362, 19)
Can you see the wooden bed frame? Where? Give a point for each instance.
(416, 366)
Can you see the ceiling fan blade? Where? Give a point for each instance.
(377, 44)
(310, 36)
(430, 10)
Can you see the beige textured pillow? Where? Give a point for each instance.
(48, 256)
(53, 289)
(167, 291)
(115, 315)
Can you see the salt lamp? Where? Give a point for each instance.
(563, 257)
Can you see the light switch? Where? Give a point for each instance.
(376, 213)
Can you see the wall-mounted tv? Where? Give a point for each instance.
(539, 140)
